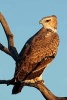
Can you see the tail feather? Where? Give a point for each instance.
(17, 88)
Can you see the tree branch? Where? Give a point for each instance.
(12, 50)
(3, 48)
(6, 28)
(47, 94)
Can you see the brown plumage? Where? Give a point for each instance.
(37, 53)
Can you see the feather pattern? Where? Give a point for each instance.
(36, 54)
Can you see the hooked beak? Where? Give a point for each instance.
(40, 22)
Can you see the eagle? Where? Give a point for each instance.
(37, 53)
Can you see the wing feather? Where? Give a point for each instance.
(41, 46)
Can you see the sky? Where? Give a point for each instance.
(23, 18)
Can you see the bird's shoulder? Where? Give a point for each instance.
(29, 41)
(43, 43)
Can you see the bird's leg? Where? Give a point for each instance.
(28, 83)
(32, 81)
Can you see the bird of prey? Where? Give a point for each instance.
(37, 53)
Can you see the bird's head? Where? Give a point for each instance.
(49, 22)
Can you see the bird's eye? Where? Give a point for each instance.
(47, 20)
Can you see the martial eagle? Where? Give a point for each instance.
(37, 53)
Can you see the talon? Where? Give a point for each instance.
(40, 81)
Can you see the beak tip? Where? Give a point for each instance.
(40, 22)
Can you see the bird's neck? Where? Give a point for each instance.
(52, 29)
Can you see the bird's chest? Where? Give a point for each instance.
(44, 45)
